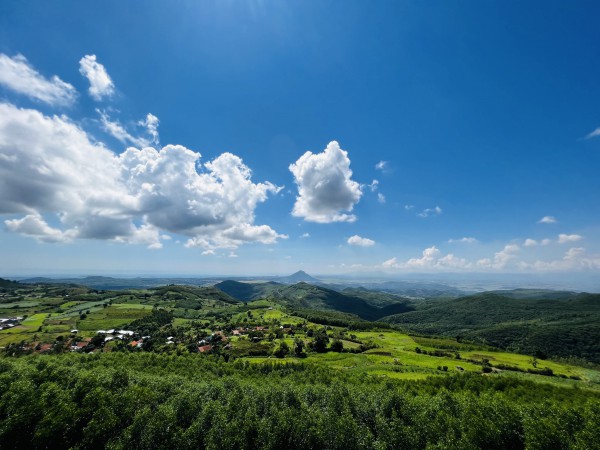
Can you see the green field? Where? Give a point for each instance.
(195, 313)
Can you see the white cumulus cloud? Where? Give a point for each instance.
(326, 192)
(530, 242)
(360, 241)
(53, 167)
(548, 219)
(566, 238)
(101, 84)
(574, 259)
(19, 76)
(35, 226)
(501, 259)
(431, 259)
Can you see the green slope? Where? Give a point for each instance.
(564, 326)
(365, 304)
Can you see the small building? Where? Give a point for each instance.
(205, 348)
(73, 331)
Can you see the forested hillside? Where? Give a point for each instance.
(149, 401)
(555, 324)
(368, 305)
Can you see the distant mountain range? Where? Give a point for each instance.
(106, 283)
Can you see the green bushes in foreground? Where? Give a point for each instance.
(149, 401)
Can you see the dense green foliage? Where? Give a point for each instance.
(145, 400)
(566, 325)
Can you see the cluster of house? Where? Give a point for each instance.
(9, 322)
(206, 345)
(113, 334)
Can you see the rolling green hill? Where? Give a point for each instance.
(247, 291)
(8, 284)
(564, 325)
(368, 305)
(193, 296)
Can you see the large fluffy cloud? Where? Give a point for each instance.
(326, 192)
(101, 84)
(48, 165)
(17, 74)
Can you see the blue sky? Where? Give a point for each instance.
(477, 119)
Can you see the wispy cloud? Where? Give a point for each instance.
(593, 134)
(19, 76)
(429, 212)
(381, 165)
(464, 240)
(118, 131)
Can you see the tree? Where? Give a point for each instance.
(320, 341)
(337, 346)
(282, 350)
(299, 347)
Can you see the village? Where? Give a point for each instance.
(128, 340)
(10, 322)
